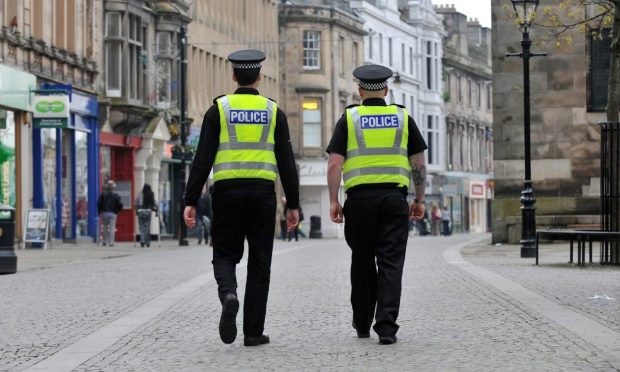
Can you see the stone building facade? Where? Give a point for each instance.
(565, 137)
(468, 108)
(321, 42)
(50, 48)
(218, 28)
(399, 40)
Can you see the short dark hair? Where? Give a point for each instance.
(246, 76)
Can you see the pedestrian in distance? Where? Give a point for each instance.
(145, 205)
(446, 221)
(245, 140)
(435, 219)
(108, 206)
(376, 148)
(204, 216)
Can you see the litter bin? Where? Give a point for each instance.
(8, 259)
(315, 227)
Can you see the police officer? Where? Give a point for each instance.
(245, 140)
(378, 149)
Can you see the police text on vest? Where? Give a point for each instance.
(259, 117)
(378, 121)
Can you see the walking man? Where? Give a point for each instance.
(108, 206)
(377, 148)
(245, 139)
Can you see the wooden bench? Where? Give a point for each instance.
(581, 237)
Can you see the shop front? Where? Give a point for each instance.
(478, 206)
(66, 161)
(118, 158)
(15, 87)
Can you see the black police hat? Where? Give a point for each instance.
(246, 59)
(372, 77)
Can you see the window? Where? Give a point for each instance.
(312, 122)
(390, 51)
(404, 99)
(136, 58)
(355, 51)
(392, 101)
(410, 61)
(598, 69)
(164, 44)
(312, 50)
(489, 97)
(410, 105)
(381, 48)
(403, 67)
(432, 139)
(342, 61)
(469, 92)
(429, 66)
(164, 83)
(114, 53)
(478, 93)
(369, 44)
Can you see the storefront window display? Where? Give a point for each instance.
(81, 154)
(7, 158)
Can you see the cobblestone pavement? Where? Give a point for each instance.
(450, 320)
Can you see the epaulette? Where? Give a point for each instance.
(216, 98)
(353, 105)
(271, 99)
(399, 105)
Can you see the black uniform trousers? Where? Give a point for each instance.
(376, 228)
(239, 214)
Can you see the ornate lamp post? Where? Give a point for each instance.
(525, 11)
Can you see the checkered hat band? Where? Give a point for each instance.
(373, 86)
(246, 66)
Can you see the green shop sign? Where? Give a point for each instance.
(51, 111)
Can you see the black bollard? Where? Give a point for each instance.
(315, 227)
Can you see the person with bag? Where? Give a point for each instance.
(204, 215)
(145, 205)
(108, 206)
(435, 219)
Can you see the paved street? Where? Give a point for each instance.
(465, 306)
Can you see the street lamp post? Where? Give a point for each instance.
(525, 11)
(182, 102)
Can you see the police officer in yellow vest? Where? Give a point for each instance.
(377, 149)
(245, 140)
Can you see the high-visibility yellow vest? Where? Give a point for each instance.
(377, 146)
(246, 149)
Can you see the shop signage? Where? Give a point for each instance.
(477, 190)
(51, 111)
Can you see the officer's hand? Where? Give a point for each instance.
(416, 211)
(189, 215)
(335, 212)
(292, 219)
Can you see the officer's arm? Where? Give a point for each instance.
(334, 175)
(205, 156)
(418, 174)
(285, 160)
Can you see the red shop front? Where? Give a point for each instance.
(118, 155)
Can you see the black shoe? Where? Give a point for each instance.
(142, 245)
(387, 340)
(228, 320)
(199, 241)
(255, 341)
(359, 333)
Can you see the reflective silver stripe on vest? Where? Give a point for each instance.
(377, 151)
(232, 131)
(362, 150)
(246, 146)
(245, 165)
(375, 171)
(265, 135)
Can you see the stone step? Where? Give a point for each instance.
(559, 220)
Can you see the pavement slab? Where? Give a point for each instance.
(450, 318)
